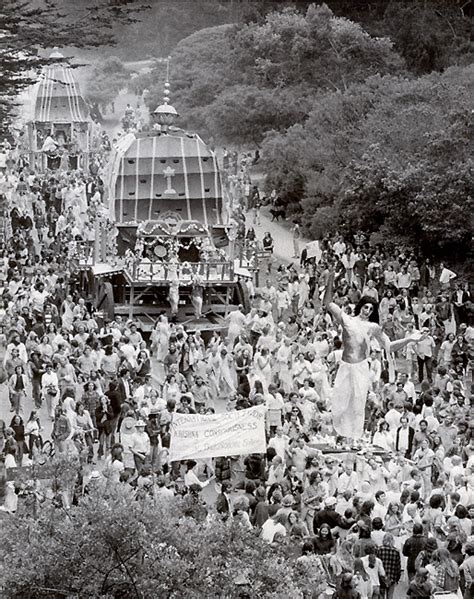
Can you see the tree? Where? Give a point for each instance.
(389, 155)
(116, 544)
(430, 35)
(106, 80)
(30, 28)
(199, 72)
(237, 82)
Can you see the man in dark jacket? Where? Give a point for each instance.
(223, 500)
(254, 467)
(404, 437)
(36, 369)
(412, 547)
(328, 515)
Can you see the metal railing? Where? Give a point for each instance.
(162, 272)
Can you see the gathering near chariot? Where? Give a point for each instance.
(209, 388)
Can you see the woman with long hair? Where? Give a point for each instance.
(262, 367)
(18, 429)
(143, 364)
(383, 437)
(446, 350)
(455, 539)
(342, 561)
(90, 399)
(105, 420)
(171, 388)
(393, 519)
(361, 580)
(445, 571)
(324, 542)
(33, 434)
(46, 348)
(84, 426)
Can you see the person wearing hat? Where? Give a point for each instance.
(287, 506)
(328, 515)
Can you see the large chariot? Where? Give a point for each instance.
(58, 129)
(165, 242)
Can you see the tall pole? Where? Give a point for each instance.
(96, 241)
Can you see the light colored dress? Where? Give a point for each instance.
(263, 370)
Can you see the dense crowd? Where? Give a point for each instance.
(395, 506)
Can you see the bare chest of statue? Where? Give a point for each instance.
(356, 334)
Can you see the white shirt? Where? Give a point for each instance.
(393, 418)
(375, 572)
(446, 275)
(403, 438)
(279, 444)
(425, 347)
(409, 389)
(270, 528)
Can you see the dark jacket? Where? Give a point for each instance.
(223, 468)
(115, 398)
(254, 467)
(222, 505)
(412, 547)
(331, 517)
(411, 435)
(36, 368)
(261, 514)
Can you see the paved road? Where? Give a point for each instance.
(279, 230)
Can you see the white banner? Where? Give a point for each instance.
(314, 251)
(209, 436)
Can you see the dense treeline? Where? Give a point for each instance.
(358, 130)
(360, 108)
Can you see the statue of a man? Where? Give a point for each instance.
(352, 383)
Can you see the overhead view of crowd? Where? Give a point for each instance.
(363, 357)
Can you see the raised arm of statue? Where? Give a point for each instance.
(333, 308)
(392, 346)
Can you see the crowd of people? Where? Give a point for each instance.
(393, 506)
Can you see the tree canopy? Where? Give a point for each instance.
(116, 543)
(389, 155)
(237, 82)
(106, 80)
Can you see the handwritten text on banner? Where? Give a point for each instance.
(208, 436)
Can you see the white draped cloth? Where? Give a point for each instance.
(349, 396)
